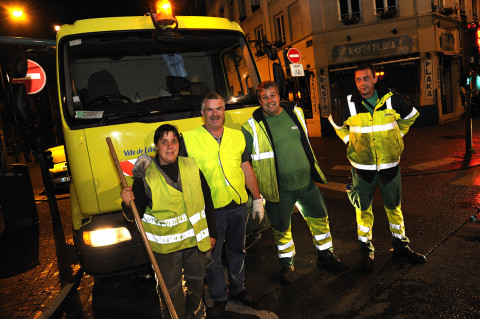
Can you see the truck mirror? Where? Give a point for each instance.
(22, 107)
(279, 78)
(270, 51)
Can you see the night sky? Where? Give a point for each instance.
(44, 14)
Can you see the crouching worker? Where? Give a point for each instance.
(175, 205)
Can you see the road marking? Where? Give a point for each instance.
(433, 164)
(340, 187)
(237, 307)
(469, 179)
(342, 167)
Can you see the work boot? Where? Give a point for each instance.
(367, 262)
(287, 275)
(245, 298)
(328, 259)
(218, 310)
(367, 251)
(409, 254)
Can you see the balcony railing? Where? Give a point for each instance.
(350, 19)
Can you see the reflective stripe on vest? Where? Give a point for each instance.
(373, 128)
(257, 155)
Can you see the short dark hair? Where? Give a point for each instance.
(266, 85)
(365, 66)
(162, 129)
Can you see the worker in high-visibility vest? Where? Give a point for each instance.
(286, 169)
(222, 156)
(174, 202)
(373, 125)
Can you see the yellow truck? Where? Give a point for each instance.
(121, 78)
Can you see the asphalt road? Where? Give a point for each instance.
(437, 209)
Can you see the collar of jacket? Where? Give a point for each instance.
(381, 88)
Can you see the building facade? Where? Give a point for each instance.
(414, 44)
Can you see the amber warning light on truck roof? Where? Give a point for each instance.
(163, 16)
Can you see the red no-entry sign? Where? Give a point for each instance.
(35, 79)
(294, 55)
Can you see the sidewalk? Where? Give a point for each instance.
(38, 261)
(39, 264)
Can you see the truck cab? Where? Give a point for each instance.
(121, 78)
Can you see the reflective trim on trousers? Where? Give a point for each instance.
(287, 255)
(171, 238)
(396, 226)
(322, 237)
(325, 246)
(287, 245)
(363, 238)
(399, 236)
(364, 229)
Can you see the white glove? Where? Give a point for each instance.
(257, 209)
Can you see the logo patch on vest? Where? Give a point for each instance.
(388, 114)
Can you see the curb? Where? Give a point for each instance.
(62, 296)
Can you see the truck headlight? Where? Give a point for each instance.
(106, 236)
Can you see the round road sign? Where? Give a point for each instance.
(35, 79)
(294, 55)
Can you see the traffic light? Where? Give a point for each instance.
(49, 159)
(473, 30)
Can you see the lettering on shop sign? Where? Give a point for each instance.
(139, 151)
(313, 93)
(372, 49)
(323, 95)
(428, 69)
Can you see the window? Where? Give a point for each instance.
(231, 11)
(255, 5)
(349, 11)
(241, 10)
(279, 30)
(259, 36)
(385, 5)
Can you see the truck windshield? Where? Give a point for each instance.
(118, 77)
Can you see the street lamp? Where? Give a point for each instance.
(17, 14)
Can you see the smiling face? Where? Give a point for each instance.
(270, 101)
(214, 114)
(365, 82)
(167, 148)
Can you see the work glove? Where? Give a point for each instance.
(141, 165)
(257, 209)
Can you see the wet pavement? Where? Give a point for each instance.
(441, 182)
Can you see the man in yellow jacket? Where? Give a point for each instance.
(173, 200)
(223, 158)
(286, 169)
(373, 125)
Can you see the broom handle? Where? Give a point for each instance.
(161, 282)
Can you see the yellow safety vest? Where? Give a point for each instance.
(263, 156)
(177, 219)
(219, 163)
